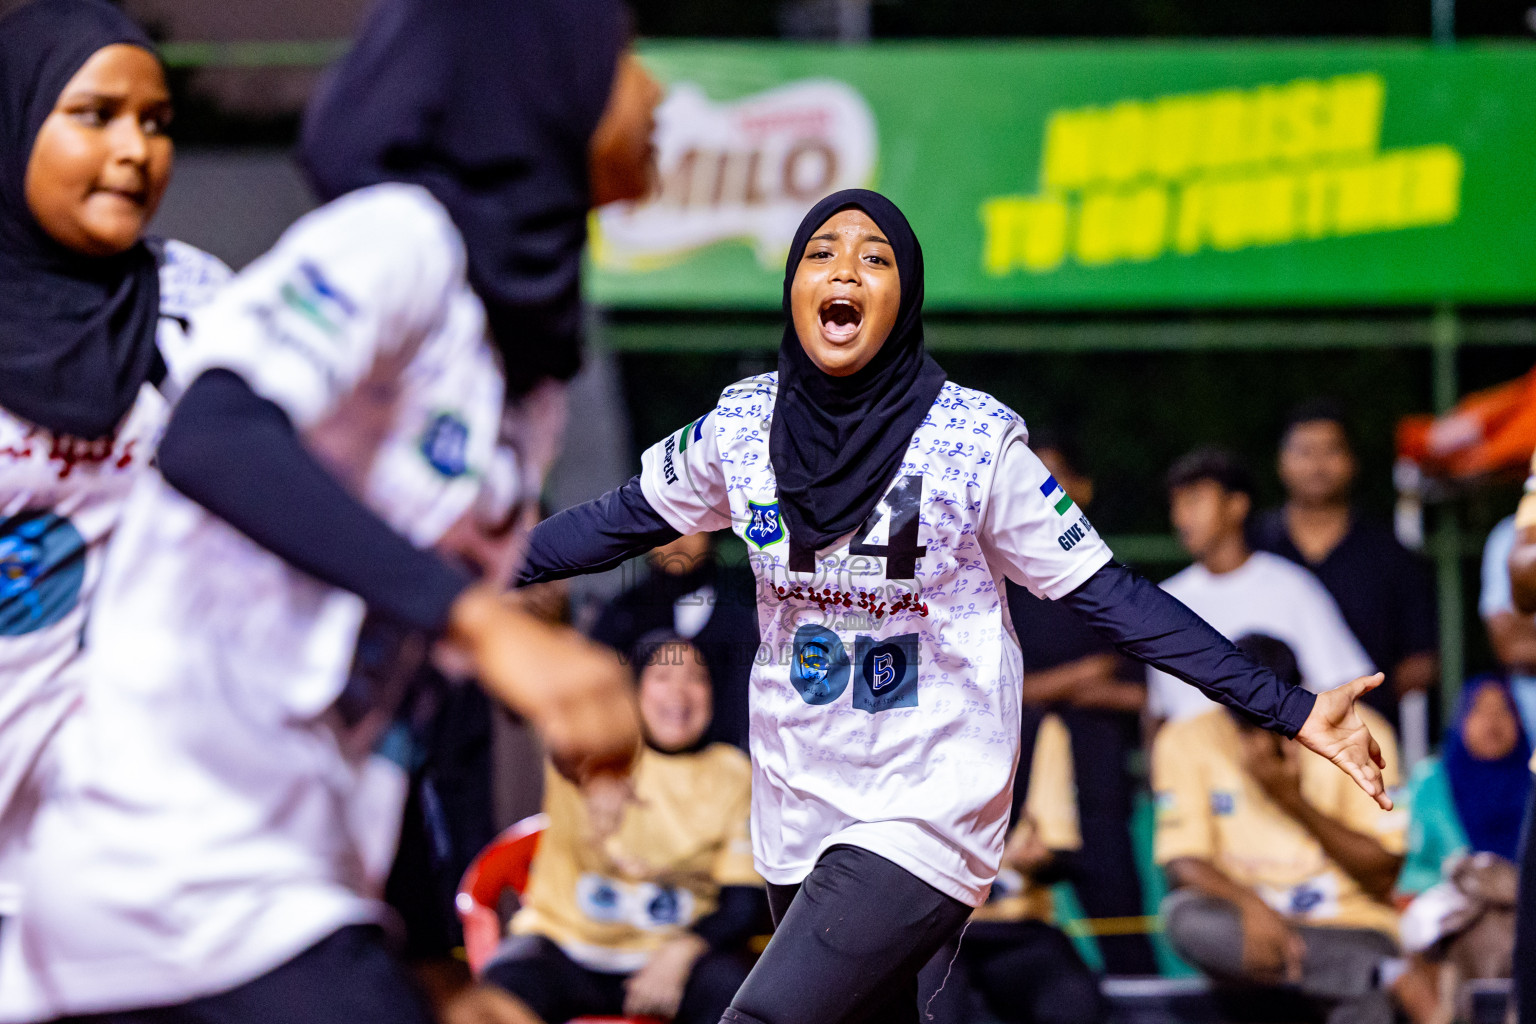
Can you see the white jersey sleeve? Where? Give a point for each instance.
(360, 280)
(1040, 538)
(682, 478)
(190, 279)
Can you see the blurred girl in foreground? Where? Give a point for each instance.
(353, 403)
(90, 312)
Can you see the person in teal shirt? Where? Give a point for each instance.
(1469, 798)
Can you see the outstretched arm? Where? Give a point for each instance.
(1148, 624)
(680, 489)
(596, 536)
(1043, 540)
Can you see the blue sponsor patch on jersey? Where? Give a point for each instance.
(1305, 899)
(819, 666)
(766, 527)
(887, 672)
(445, 444)
(599, 899)
(664, 908)
(42, 567)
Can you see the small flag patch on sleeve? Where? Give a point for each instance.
(1055, 495)
(692, 432)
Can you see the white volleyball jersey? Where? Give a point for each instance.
(205, 826)
(60, 498)
(885, 694)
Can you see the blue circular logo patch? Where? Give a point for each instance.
(445, 444)
(664, 907)
(42, 565)
(819, 669)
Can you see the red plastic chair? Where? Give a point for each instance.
(502, 866)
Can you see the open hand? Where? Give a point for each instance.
(577, 694)
(1334, 730)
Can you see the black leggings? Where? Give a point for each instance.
(347, 978)
(848, 944)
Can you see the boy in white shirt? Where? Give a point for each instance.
(1241, 591)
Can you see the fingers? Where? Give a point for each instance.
(1376, 756)
(1368, 778)
(1365, 684)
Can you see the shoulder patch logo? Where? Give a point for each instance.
(1055, 496)
(766, 527)
(692, 434)
(313, 297)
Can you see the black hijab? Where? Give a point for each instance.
(489, 105)
(837, 442)
(77, 333)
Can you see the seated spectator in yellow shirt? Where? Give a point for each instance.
(1281, 874)
(1011, 954)
(655, 919)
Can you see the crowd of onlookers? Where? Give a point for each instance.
(1288, 887)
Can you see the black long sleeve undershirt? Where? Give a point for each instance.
(1141, 619)
(238, 456)
(595, 536)
(1148, 624)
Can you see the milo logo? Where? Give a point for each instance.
(745, 169)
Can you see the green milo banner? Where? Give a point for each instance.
(1092, 176)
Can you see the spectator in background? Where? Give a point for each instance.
(1280, 874)
(712, 605)
(1012, 954)
(1511, 633)
(1469, 799)
(1384, 592)
(653, 921)
(1075, 672)
(1241, 591)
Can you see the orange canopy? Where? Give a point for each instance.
(1489, 432)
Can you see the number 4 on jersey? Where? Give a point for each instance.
(901, 549)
